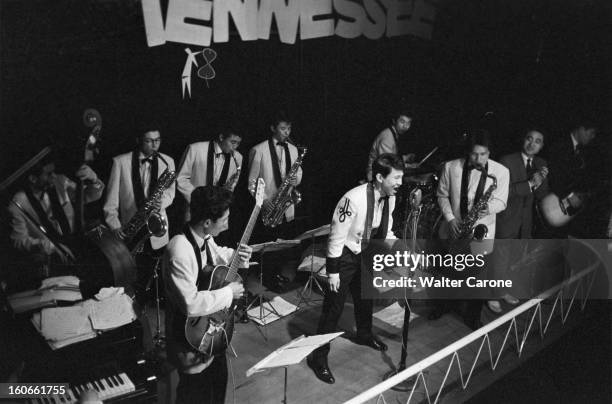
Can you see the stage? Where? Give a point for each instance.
(357, 368)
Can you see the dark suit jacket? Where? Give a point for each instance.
(568, 170)
(516, 220)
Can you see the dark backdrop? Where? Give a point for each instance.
(522, 61)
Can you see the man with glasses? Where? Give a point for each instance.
(132, 181)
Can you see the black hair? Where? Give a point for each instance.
(584, 120)
(209, 202)
(228, 129)
(385, 162)
(280, 116)
(477, 137)
(403, 111)
(37, 168)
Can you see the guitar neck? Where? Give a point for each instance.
(246, 236)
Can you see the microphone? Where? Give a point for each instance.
(92, 118)
(415, 198)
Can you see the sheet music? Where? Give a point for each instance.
(292, 353)
(315, 340)
(36, 299)
(112, 312)
(281, 306)
(59, 323)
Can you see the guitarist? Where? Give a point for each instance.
(201, 380)
(571, 178)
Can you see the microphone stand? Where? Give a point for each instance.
(411, 222)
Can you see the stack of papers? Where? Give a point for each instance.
(36, 299)
(62, 326)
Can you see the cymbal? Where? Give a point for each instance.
(318, 232)
(419, 170)
(272, 246)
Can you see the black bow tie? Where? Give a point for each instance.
(223, 154)
(146, 160)
(281, 144)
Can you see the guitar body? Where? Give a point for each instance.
(212, 334)
(558, 212)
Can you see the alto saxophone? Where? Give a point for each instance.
(230, 184)
(469, 230)
(285, 197)
(148, 221)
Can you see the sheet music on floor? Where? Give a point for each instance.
(281, 306)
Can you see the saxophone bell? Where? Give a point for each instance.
(480, 232)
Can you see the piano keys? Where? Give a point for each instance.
(112, 364)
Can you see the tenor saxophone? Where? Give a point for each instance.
(148, 221)
(285, 196)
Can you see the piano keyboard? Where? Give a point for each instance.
(107, 388)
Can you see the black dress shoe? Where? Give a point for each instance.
(436, 313)
(321, 370)
(372, 342)
(242, 316)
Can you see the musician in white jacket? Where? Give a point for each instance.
(463, 183)
(210, 163)
(132, 180)
(363, 213)
(201, 380)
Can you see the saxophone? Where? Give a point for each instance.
(285, 196)
(230, 184)
(148, 221)
(469, 230)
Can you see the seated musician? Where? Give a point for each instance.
(133, 180)
(349, 226)
(46, 200)
(387, 140)
(201, 379)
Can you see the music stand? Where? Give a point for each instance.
(270, 246)
(290, 354)
(312, 274)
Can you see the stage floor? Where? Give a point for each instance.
(357, 368)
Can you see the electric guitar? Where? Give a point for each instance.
(212, 334)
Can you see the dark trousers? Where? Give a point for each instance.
(333, 304)
(206, 387)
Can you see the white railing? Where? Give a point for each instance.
(583, 282)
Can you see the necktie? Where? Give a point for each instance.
(529, 167)
(384, 220)
(225, 169)
(205, 247)
(287, 158)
